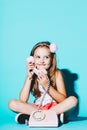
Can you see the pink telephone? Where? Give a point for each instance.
(31, 60)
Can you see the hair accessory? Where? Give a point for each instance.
(53, 47)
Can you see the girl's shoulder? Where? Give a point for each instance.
(58, 73)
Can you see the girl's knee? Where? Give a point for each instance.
(73, 100)
(12, 103)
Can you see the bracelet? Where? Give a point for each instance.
(47, 89)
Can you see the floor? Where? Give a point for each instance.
(8, 123)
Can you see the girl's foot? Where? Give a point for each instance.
(62, 118)
(22, 118)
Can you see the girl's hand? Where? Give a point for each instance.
(30, 67)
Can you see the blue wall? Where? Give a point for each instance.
(23, 23)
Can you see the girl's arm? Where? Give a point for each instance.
(25, 92)
(60, 94)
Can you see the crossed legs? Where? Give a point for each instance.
(66, 106)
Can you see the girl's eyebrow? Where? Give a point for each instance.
(36, 55)
(44, 56)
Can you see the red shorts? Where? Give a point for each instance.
(47, 106)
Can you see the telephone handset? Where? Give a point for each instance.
(36, 71)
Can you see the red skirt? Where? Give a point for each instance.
(47, 106)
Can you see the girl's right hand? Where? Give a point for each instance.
(30, 67)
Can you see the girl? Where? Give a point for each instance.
(48, 77)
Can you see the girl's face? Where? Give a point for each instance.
(42, 57)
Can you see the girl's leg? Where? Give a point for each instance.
(18, 106)
(68, 105)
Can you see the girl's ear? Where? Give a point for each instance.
(30, 59)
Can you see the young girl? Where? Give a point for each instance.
(48, 77)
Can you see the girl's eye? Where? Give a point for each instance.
(38, 57)
(46, 57)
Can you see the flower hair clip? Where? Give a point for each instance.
(53, 48)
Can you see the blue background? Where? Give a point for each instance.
(23, 23)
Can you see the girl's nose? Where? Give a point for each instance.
(42, 60)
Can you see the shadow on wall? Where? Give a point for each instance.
(69, 80)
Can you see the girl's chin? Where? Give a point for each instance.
(41, 67)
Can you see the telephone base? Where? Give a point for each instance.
(50, 120)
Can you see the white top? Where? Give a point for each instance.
(47, 99)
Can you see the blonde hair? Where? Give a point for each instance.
(51, 72)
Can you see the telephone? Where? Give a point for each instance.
(36, 71)
(45, 118)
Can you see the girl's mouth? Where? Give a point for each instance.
(39, 66)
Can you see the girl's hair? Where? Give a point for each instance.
(51, 71)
